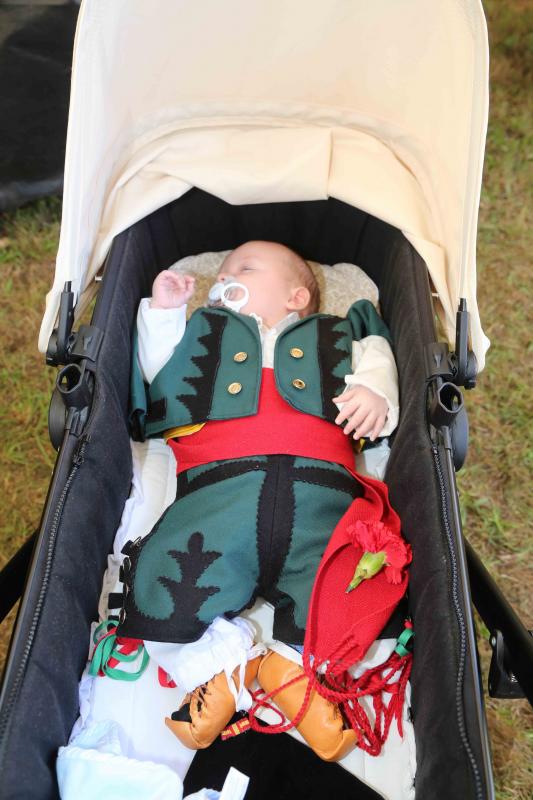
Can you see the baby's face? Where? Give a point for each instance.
(264, 268)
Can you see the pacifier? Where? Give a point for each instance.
(232, 295)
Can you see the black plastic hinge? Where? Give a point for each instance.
(57, 352)
(76, 353)
(447, 415)
(502, 682)
(86, 343)
(437, 361)
(460, 366)
(67, 346)
(464, 360)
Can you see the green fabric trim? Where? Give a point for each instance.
(303, 461)
(303, 334)
(193, 472)
(240, 335)
(344, 345)
(120, 675)
(203, 364)
(365, 321)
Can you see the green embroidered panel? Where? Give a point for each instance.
(194, 385)
(240, 366)
(298, 375)
(202, 539)
(366, 321)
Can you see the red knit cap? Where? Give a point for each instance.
(342, 625)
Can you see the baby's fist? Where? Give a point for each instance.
(365, 412)
(171, 290)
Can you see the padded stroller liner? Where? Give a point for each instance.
(85, 504)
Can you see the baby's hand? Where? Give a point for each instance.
(171, 290)
(365, 411)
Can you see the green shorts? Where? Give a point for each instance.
(237, 530)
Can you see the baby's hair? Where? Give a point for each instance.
(305, 277)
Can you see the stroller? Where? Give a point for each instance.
(352, 133)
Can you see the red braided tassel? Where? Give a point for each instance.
(345, 691)
(341, 688)
(262, 702)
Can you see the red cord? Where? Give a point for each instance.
(345, 691)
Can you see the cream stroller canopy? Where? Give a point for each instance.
(382, 105)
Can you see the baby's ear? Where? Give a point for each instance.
(299, 299)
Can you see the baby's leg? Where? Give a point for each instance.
(200, 561)
(216, 671)
(322, 493)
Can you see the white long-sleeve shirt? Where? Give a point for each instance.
(161, 329)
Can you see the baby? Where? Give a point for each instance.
(259, 397)
(279, 284)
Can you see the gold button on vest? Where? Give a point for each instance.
(296, 352)
(298, 383)
(234, 388)
(241, 356)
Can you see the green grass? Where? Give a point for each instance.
(28, 243)
(29, 234)
(495, 485)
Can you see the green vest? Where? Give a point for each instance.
(215, 370)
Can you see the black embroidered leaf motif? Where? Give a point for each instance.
(186, 594)
(184, 624)
(199, 403)
(330, 355)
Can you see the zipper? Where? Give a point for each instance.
(462, 629)
(77, 460)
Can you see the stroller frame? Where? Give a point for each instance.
(94, 461)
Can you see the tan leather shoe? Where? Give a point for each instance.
(205, 712)
(322, 725)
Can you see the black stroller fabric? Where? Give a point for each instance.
(278, 766)
(40, 701)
